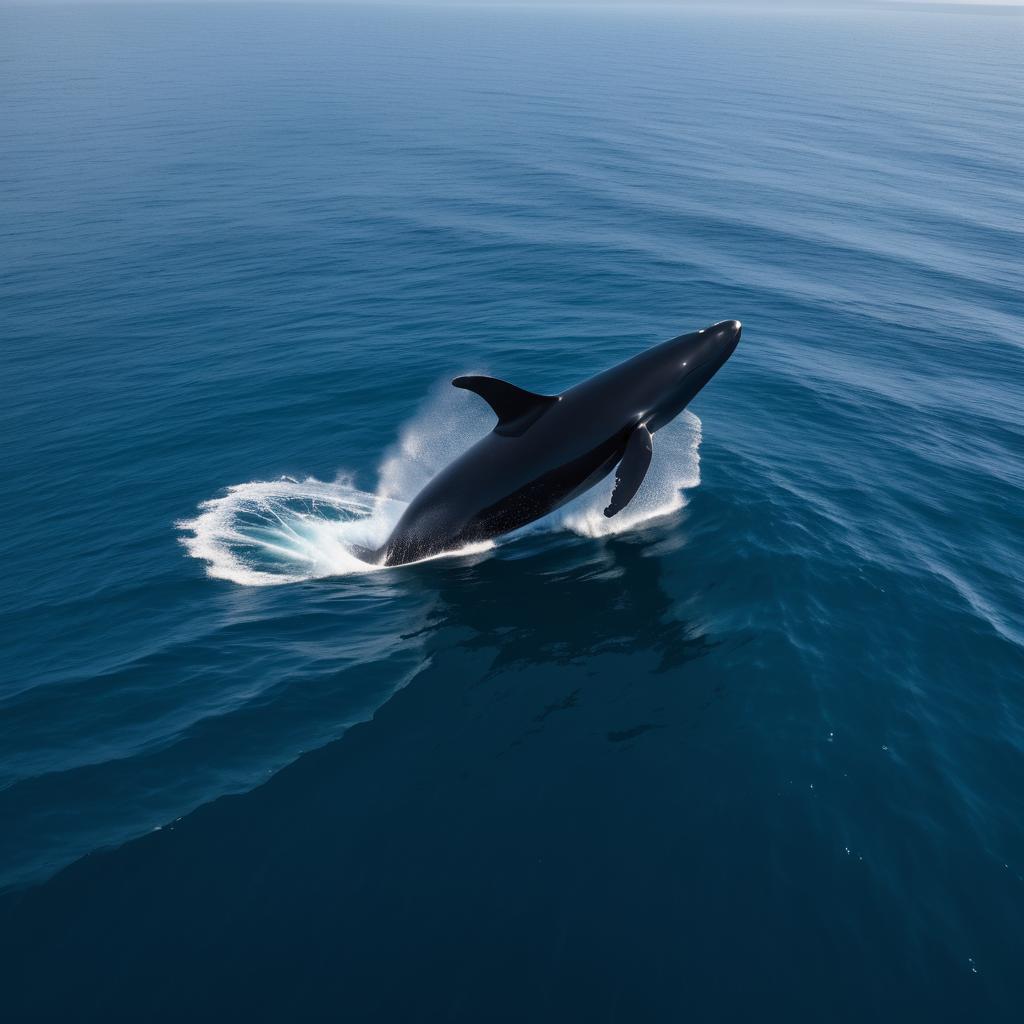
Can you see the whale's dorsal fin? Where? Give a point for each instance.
(515, 408)
(632, 469)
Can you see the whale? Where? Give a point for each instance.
(546, 450)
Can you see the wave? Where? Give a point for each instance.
(288, 531)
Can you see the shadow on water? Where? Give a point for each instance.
(487, 809)
(566, 815)
(596, 615)
(563, 605)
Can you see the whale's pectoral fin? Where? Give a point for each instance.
(631, 470)
(515, 408)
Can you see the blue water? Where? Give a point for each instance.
(753, 750)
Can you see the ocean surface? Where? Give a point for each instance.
(753, 750)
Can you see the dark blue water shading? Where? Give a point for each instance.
(758, 754)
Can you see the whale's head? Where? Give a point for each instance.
(676, 370)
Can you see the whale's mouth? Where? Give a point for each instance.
(694, 366)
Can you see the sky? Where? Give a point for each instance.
(936, 4)
(626, 3)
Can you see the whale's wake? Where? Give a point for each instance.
(287, 531)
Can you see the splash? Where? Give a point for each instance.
(287, 531)
(675, 469)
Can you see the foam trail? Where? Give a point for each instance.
(286, 531)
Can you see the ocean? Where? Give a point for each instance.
(754, 749)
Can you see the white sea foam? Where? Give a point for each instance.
(675, 469)
(286, 531)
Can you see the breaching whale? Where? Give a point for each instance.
(547, 449)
